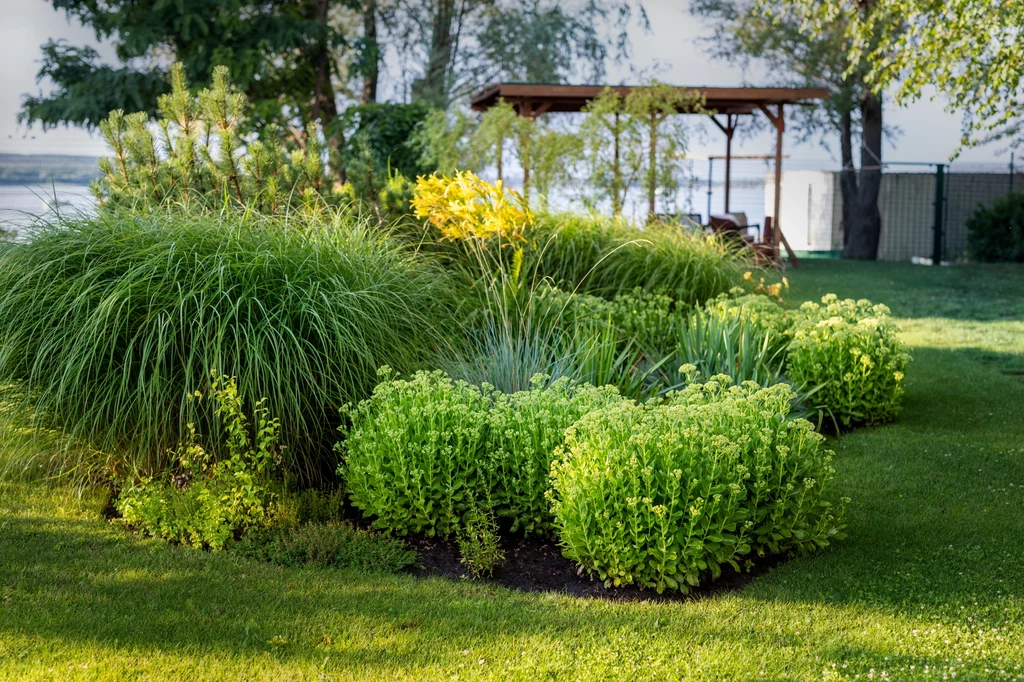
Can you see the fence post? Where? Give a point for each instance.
(1011, 172)
(940, 194)
(711, 168)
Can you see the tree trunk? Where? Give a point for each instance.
(371, 55)
(866, 223)
(433, 87)
(325, 109)
(848, 174)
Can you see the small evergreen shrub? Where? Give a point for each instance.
(664, 496)
(206, 502)
(199, 157)
(996, 233)
(523, 430)
(851, 353)
(413, 450)
(335, 544)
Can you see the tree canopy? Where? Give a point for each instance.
(969, 50)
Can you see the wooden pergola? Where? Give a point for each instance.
(534, 99)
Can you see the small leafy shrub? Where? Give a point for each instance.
(207, 502)
(523, 430)
(663, 496)
(411, 456)
(335, 544)
(996, 233)
(850, 352)
(479, 543)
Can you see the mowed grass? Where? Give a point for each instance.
(929, 585)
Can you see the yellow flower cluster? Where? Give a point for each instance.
(465, 207)
(772, 290)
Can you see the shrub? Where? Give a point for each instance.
(996, 232)
(205, 502)
(412, 452)
(335, 544)
(111, 322)
(662, 496)
(850, 352)
(523, 430)
(199, 158)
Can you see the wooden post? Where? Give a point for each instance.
(780, 127)
(730, 128)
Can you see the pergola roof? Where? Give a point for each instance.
(540, 98)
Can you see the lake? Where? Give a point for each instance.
(21, 205)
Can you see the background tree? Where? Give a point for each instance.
(613, 147)
(969, 50)
(798, 58)
(655, 107)
(281, 54)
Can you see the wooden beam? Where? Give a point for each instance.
(779, 121)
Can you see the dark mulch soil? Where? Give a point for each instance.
(538, 566)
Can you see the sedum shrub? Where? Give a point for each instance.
(849, 351)
(412, 452)
(523, 430)
(664, 496)
(206, 502)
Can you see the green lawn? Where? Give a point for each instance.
(928, 585)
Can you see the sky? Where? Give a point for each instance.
(672, 51)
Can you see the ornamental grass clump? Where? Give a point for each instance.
(665, 496)
(110, 323)
(608, 257)
(411, 457)
(850, 351)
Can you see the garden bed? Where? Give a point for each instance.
(534, 565)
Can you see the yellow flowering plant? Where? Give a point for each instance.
(462, 207)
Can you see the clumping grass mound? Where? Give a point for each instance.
(607, 257)
(665, 496)
(110, 323)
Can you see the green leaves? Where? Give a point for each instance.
(850, 353)
(663, 495)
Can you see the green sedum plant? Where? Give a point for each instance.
(411, 455)
(851, 353)
(664, 496)
(205, 502)
(523, 430)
